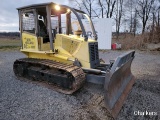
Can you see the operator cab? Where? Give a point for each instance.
(46, 20)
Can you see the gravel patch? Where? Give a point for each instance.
(21, 100)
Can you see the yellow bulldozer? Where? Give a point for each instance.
(65, 58)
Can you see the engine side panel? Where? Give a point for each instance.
(85, 51)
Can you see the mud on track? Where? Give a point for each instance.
(25, 101)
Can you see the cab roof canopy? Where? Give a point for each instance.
(35, 6)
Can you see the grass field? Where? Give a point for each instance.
(8, 43)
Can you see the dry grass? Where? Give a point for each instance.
(9, 43)
(129, 41)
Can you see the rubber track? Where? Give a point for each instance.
(76, 72)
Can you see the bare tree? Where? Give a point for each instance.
(107, 7)
(135, 23)
(155, 13)
(131, 16)
(119, 13)
(154, 25)
(96, 8)
(110, 7)
(100, 3)
(158, 17)
(87, 6)
(143, 10)
(76, 4)
(130, 11)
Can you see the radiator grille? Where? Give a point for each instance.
(92, 52)
(94, 56)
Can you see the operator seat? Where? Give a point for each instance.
(43, 31)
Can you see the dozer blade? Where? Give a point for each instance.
(118, 83)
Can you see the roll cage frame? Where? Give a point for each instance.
(48, 7)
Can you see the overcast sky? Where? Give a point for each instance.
(9, 14)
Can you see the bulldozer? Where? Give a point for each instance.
(66, 58)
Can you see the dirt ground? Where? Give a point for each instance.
(21, 100)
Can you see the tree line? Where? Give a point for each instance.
(134, 16)
(10, 34)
